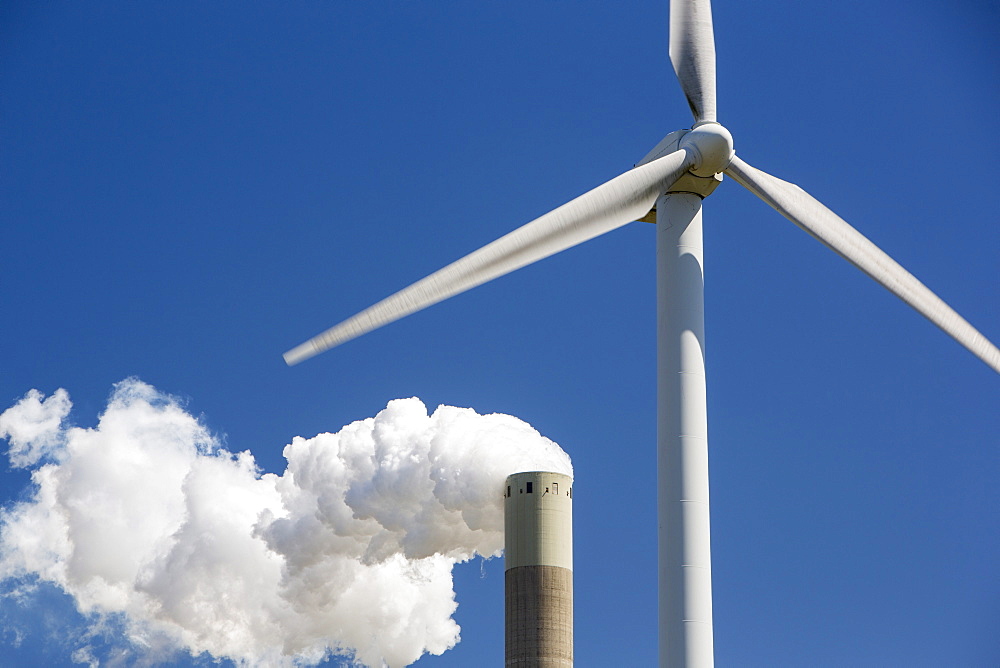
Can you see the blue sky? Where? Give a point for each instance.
(190, 189)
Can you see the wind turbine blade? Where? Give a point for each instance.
(619, 201)
(808, 213)
(692, 52)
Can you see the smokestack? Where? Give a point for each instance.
(538, 577)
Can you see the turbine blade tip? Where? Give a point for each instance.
(299, 353)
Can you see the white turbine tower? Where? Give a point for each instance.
(671, 180)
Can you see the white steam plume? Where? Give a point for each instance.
(350, 551)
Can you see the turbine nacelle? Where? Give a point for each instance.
(703, 143)
(710, 145)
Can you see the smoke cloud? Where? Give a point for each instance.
(147, 518)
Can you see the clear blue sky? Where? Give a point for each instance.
(190, 189)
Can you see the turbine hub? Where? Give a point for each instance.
(711, 145)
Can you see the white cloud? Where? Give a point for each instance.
(32, 426)
(349, 551)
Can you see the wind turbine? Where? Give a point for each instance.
(671, 180)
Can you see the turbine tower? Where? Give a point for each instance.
(670, 183)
